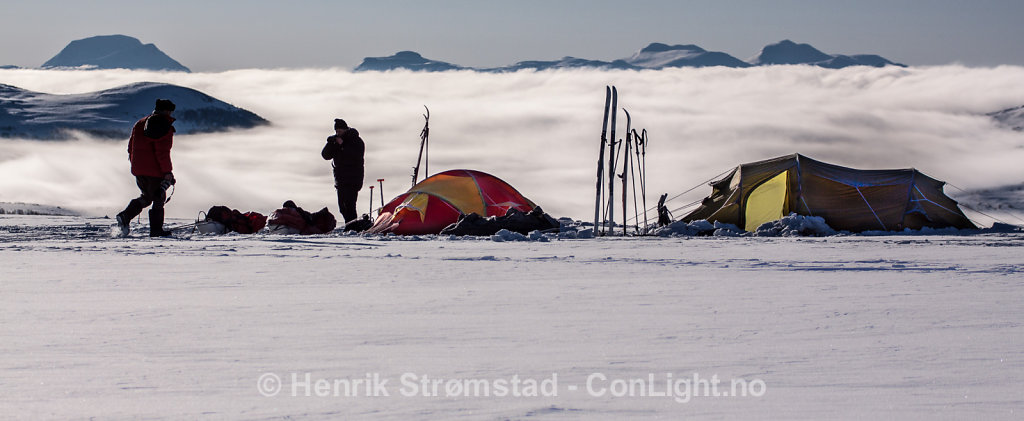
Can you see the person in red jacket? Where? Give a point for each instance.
(149, 150)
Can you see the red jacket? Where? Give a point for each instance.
(149, 148)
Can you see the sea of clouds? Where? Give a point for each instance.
(539, 131)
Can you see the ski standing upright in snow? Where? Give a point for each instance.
(610, 216)
(600, 160)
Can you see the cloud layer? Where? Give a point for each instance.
(538, 131)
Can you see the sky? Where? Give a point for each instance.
(211, 35)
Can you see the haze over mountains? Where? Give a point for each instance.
(653, 56)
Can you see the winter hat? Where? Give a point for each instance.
(164, 105)
(340, 124)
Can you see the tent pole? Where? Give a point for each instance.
(424, 135)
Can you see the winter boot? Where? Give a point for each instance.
(123, 224)
(156, 223)
(124, 219)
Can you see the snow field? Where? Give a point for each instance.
(835, 327)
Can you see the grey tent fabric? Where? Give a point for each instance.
(848, 199)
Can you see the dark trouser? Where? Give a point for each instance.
(151, 194)
(347, 195)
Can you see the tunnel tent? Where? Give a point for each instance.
(848, 199)
(439, 200)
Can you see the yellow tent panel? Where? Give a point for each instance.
(767, 202)
(460, 191)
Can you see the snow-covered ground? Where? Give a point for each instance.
(194, 327)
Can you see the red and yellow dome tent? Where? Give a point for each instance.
(439, 200)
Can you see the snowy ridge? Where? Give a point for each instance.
(653, 56)
(113, 52)
(1004, 202)
(1012, 118)
(18, 208)
(110, 113)
(564, 63)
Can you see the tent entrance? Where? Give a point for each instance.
(767, 202)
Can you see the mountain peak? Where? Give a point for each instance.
(404, 60)
(657, 55)
(408, 55)
(657, 47)
(789, 52)
(113, 52)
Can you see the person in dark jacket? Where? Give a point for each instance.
(149, 150)
(346, 148)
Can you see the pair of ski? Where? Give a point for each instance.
(611, 107)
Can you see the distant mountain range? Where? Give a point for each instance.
(653, 56)
(124, 52)
(111, 113)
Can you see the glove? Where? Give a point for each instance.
(168, 181)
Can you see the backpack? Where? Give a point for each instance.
(288, 217)
(243, 223)
(323, 222)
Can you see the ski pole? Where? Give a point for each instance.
(381, 181)
(643, 175)
(371, 201)
(625, 171)
(632, 173)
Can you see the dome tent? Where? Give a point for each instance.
(848, 199)
(439, 201)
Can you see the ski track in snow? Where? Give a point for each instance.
(848, 327)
